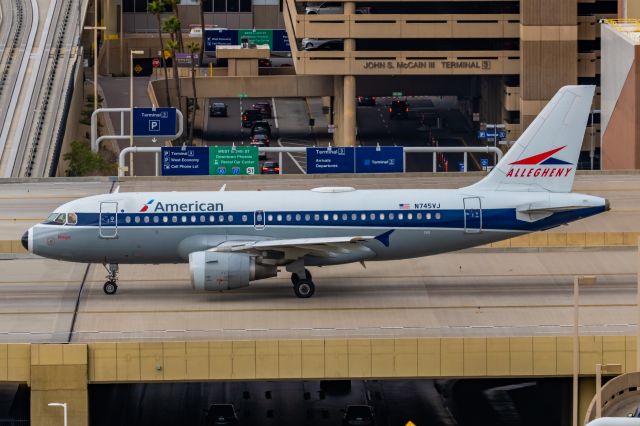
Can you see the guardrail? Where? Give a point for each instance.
(280, 150)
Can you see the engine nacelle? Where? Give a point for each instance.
(214, 271)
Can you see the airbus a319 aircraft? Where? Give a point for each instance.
(232, 238)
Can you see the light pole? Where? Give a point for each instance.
(606, 369)
(592, 147)
(95, 29)
(133, 52)
(64, 408)
(577, 282)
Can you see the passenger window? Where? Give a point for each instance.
(307, 217)
(156, 219)
(244, 217)
(354, 216)
(344, 216)
(381, 216)
(316, 217)
(72, 219)
(363, 216)
(174, 219)
(146, 219)
(184, 219)
(165, 219)
(428, 216)
(419, 216)
(391, 216)
(400, 216)
(193, 219)
(203, 219)
(325, 216)
(127, 219)
(136, 219)
(270, 218)
(221, 218)
(335, 217)
(298, 217)
(279, 218)
(438, 216)
(409, 216)
(372, 216)
(212, 218)
(288, 218)
(230, 218)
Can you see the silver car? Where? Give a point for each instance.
(316, 43)
(330, 7)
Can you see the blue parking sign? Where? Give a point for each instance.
(154, 122)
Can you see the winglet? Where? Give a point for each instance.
(384, 237)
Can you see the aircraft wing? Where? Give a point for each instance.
(299, 247)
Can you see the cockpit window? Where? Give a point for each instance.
(57, 218)
(72, 219)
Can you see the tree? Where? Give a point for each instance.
(172, 46)
(174, 6)
(156, 7)
(203, 40)
(193, 47)
(84, 162)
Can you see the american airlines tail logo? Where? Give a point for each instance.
(541, 165)
(146, 206)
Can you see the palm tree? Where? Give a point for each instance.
(174, 6)
(193, 47)
(203, 35)
(172, 46)
(156, 7)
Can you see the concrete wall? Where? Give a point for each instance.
(73, 117)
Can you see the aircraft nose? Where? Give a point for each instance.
(25, 240)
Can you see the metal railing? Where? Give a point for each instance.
(301, 149)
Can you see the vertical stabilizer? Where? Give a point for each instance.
(545, 157)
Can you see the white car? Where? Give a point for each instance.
(331, 7)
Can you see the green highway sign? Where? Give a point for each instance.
(228, 160)
(257, 36)
(243, 95)
(396, 94)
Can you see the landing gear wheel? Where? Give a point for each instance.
(110, 288)
(304, 289)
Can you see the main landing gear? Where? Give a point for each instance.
(110, 287)
(303, 287)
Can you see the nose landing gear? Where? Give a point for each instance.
(110, 287)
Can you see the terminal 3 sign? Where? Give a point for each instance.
(428, 65)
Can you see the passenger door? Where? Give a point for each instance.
(472, 215)
(108, 220)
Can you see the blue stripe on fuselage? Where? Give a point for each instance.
(492, 219)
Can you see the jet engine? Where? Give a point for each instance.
(213, 271)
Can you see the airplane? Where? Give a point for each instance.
(232, 238)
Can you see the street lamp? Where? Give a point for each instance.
(592, 147)
(64, 408)
(606, 369)
(95, 29)
(133, 52)
(577, 282)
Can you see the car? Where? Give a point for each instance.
(264, 108)
(366, 100)
(260, 127)
(260, 141)
(217, 109)
(264, 62)
(331, 7)
(398, 109)
(323, 44)
(250, 116)
(270, 168)
(358, 415)
(221, 414)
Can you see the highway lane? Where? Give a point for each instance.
(474, 292)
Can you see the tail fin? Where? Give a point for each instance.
(545, 157)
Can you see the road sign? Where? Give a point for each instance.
(154, 122)
(484, 163)
(183, 60)
(330, 160)
(461, 166)
(396, 94)
(280, 41)
(177, 161)
(228, 160)
(484, 134)
(216, 37)
(257, 36)
(156, 62)
(331, 128)
(383, 159)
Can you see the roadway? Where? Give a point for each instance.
(483, 292)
